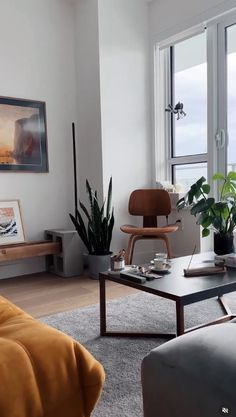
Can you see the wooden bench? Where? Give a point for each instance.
(29, 250)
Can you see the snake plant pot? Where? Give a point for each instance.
(98, 263)
(223, 243)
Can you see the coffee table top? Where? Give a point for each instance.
(187, 289)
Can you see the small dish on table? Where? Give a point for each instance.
(164, 270)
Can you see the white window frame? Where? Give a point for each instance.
(222, 88)
(216, 157)
(163, 64)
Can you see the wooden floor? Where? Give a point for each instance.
(44, 293)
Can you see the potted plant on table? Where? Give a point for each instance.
(97, 233)
(220, 216)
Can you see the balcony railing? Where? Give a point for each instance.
(186, 175)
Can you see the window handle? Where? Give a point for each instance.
(220, 139)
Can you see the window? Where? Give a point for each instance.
(186, 174)
(197, 70)
(231, 96)
(189, 75)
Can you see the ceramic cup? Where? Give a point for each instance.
(161, 255)
(117, 263)
(160, 261)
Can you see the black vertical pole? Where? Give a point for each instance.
(75, 169)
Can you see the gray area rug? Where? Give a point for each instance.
(122, 357)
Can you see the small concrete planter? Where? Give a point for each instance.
(98, 263)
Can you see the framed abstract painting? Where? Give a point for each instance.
(11, 228)
(23, 135)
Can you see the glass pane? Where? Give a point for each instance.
(231, 71)
(186, 175)
(190, 88)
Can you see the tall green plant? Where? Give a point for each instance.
(97, 234)
(217, 215)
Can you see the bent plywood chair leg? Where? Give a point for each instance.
(168, 248)
(130, 250)
(135, 238)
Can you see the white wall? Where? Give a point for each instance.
(88, 97)
(126, 142)
(38, 62)
(113, 101)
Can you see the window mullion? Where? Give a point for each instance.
(172, 102)
(222, 96)
(168, 116)
(212, 102)
(189, 159)
(162, 128)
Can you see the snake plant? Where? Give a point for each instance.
(96, 231)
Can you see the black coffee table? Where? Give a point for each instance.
(182, 290)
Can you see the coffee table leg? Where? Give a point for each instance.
(179, 318)
(102, 285)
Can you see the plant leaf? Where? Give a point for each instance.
(181, 203)
(97, 233)
(89, 191)
(110, 228)
(205, 232)
(217, 223)
(85, 211)
(200, 181)
(220, 206)
(218, 176)
(230, 196)
(204, 220)
(206, 188)
(202, 205)
(195, 190)
(109, 196)
(80, 228)
(190, 196)
(231, 176)
(234, 217)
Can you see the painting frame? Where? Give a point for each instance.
(11, 225)
(23, 135)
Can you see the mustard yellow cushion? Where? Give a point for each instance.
(43, 372)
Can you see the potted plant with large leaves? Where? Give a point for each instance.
(96, 230)
(220, 216)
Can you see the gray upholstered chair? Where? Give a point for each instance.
(193, 375)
